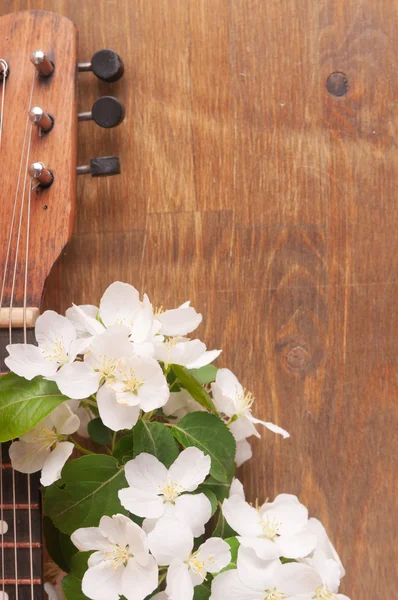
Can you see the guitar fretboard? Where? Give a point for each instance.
(21, 568)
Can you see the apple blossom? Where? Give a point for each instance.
(232, 400)
(190, 568)
(54, 357)
(180, 350)
(43, 448)
(278, 528)
(180, 404)
(178, 321)
(121, 563)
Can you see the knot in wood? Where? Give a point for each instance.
(297, 359)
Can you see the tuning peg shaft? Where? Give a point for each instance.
(102, 166)
(106, 112)
(42, 63)
(41, 176)
(41, 119)
(105, 64)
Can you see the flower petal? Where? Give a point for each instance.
(179, 321)
(119, 304)
(102, 582)
(297, 546)
(114, 415)
(77, 380)
(28, 361)
(228, 585)
(52, 328)
(254, 572)
(194, 510)
(84, 320)
(243, 518)
(139, 581)
(215, 553)
(64, 420)
(145, 474)
(205, 359)
(244, 452)
(271, 427)
(55, 462)
(294, 579)
(90, 538)
(190, 468)
(179, 583)
(27, 457)
(170, 539)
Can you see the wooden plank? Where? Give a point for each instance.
(270, 203)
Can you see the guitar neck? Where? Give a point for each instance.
(21, 555)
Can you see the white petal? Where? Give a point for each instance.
(119, 304)
(84, 320)
(225, 404)
(228, 586)
(236, 488)
(215, 553)
(272, 427)
(194, 510)
(115, 415)
(51, 328)
(254, 572)
(288, 512)
(179, 321)
(179, 583)
(243, 518)
(64, 420)
(143, 321)
(190, 468)
(145, 474)
(228, 384)
(183, 352)
(205, 359)
(55, 462)
(294, 579)
(314, 526)
(170, 539)
(119, 529)
(102, 582)
(138, 581)
(154, 391)
(28, 361)
(296, 546)
(264, 548)
(244, 452)
(89, 538)
(77, 380)
(243, 428)
(108, 347)
(27, 457)
(161, 596)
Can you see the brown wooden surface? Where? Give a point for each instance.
(271, 204)
(52, 210)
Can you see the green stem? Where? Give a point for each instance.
(90, 402)
(79, 447)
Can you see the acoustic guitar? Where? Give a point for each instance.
(38, 141)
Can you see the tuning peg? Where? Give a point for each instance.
(102, 166)
(105, 64)
(106, 112)
(40, 175)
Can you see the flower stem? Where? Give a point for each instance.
(79, 447)
(90, 402)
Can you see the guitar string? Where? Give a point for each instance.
(25, 341)
(4, 69)
(2, 523)
(10, 320)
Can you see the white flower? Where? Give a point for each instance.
(291, 581)
(244, 452)
(121, 565)
(84, 319)
(180, 404)
(108, 350)
(183, 351)
(178, 321)
(85, 414)
(190, 568)
(53, 358)
(277, 528)
(43, 447)
(232, 400)
(324, 559)
(138, 383)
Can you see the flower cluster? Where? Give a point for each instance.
(153, 508)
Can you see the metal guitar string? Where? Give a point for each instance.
(4, 68)
(10, 324)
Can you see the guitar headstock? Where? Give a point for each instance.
(38, 144)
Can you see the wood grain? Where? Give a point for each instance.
(52, 210)
(270, 203)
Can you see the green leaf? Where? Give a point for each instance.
(193, 386)
(58, 545)
(24, 404)
(157, 439)
(99, 433)
(208, 433)
(72, 583)
(221, 490)
(87, 491)
(205, 374)
(201, 592)
(234, 547)
(123, 450)
(223, 530)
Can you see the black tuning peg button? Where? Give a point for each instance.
(102, 166)
(106, 112)
(105, 64)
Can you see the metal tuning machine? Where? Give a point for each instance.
(105, 64)
(41, 176)
(102, 166)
